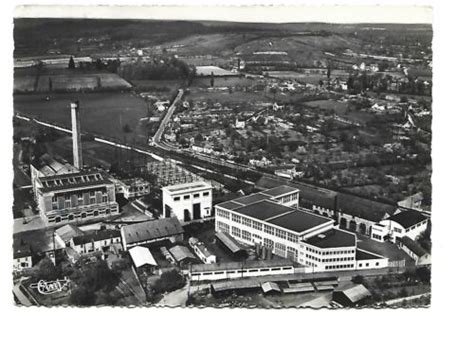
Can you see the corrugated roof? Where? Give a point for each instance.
(229, 242)
(141, 256)
(181, 253)
(149, 230)
(239, 284)
(408, 218)
(355, 292)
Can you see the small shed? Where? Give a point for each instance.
(269, 288)
(142, 256)
(351, 295)
(183, 255)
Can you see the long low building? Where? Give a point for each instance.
(233, 270)
(280, 226)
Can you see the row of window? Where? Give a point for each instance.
(367, 264)
(339, 266)
(333, 252)
(83, 215)
(286, 268)
(289, 198)
(222, 227)
(336, 259)
(187, 197)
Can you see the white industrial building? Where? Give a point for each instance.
(188, 201)
(407, 223)
(271, 218)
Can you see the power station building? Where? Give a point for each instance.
(66, 193)
(188, 201)
(272, 219)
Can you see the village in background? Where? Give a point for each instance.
(177, 163)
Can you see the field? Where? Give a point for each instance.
(226, 97)
(166, 86)
(104, 113)
(68, 82)
(339, 107)
(208, 70)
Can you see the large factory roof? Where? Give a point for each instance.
(150, 230)
(299, 221)
(263, 210)
(333, 238)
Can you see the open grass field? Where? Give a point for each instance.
(339, 107)
(210, 69)
(104, 113)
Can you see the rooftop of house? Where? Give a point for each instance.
(408, 218)
(39, 241)
(95, 236)
(333, 238)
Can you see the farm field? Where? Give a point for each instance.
(69, 82)
(104, 113)
(337, 106)
(165, 86)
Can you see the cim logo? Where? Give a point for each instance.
(51, 287)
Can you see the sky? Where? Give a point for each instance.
(274, 14)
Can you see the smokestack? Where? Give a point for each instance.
(336, 213)
(76, 135)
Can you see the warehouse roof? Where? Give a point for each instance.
(229, 266)
(333, 238)
(229, 242)
(142, 256)
(299, 221)
(263, 210)
(354, 292)
(235, 285)
(149, 230)
(280, 190)
(413, 246)
(408, 218)
(365, 255)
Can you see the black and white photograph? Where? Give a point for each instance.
(219, 163)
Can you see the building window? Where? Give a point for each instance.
(257, 225)
(269, 230)
(236, 218)
(247, 222)
(236, 232)
(205, 194)
(186, 197)
(196, 195)
(246, 235)
(176, 199)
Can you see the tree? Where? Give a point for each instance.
(169, 281)
(71, 64)
(82, 296)
(46, 270)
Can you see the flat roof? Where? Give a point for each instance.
(263, 210)
(256, 197)
(231, 205)
(190, 186)
(299, 221)
(280, 190)
(333, 238)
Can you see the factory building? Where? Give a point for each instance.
(75, 197)
(408, 223)
(275, 222)
(188, 201)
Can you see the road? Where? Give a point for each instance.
(159, 133)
